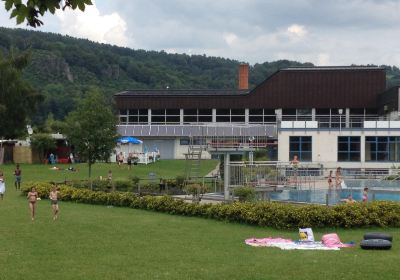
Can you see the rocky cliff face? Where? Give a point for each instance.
(52, 66)
(111, 72)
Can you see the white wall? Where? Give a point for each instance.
(181, 150)
(324, 147)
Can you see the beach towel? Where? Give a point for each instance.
(287, 244)
(332, 240)
(266, 242)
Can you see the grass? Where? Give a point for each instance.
(162, 169)
(97, 242)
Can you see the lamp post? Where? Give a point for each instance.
(251, 155)
(340, 119)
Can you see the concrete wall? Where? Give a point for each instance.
(180, 151)
(325, 145)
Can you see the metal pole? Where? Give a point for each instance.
(226, 175)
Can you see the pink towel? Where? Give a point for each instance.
(265, 242)
(333, 240)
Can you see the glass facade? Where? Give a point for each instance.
(262, 116)
(382, 148)
(326, 118)
(349, 148)
(300, 146)
(133, 116)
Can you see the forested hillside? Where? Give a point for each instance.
(62, 68)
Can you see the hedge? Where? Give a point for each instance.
(132, 185)
(271, 214)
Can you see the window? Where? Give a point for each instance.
(304, 114)
(349, 148)
(158, 116)
(195, 141)
(184, 141)
(223, 115)
(122, 119)
(205, 115)
(172, 115)
(382, 148)
(256, 115)
(300, 146)
(269, 116)
(237, 115)
(197, 115)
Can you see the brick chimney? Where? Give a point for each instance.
(243, 76)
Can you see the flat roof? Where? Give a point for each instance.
(338, 68)
(175, 92)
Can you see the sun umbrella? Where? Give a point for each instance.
(129, 140)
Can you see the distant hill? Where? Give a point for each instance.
(63, 68)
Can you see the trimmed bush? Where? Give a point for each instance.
(271, 214)
(245, 193)
(123, 185)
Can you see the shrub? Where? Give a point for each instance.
(179, 181)
(135, 180)
(123, 185)
(149, 188)
(271, 214)
(245, 193)
(196, 190)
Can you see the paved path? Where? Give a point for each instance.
(214, 172)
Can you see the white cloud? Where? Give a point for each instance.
(323, 59)
(91, 24)
(297, 30)
(230, 38)
(339, 32)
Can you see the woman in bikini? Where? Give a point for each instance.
(54, 201)
(32, 198)
(330, 181)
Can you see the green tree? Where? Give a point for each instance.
(32, 9)
(42, 143)
(18, 99)
(91, 129)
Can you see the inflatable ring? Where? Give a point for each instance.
(378, 235)
(379, 244)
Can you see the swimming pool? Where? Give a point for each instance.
(372, 183)
(332, 197)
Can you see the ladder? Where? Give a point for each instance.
(193, 161)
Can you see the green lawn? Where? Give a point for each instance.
(162, 169)
(97, 242)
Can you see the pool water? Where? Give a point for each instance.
(333, 196)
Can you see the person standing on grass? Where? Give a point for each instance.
(129, 161)
(120, 159)
(32, 198)
(2, 185)
(54, 202)
(17, 175)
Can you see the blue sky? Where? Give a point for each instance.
(325, 32)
